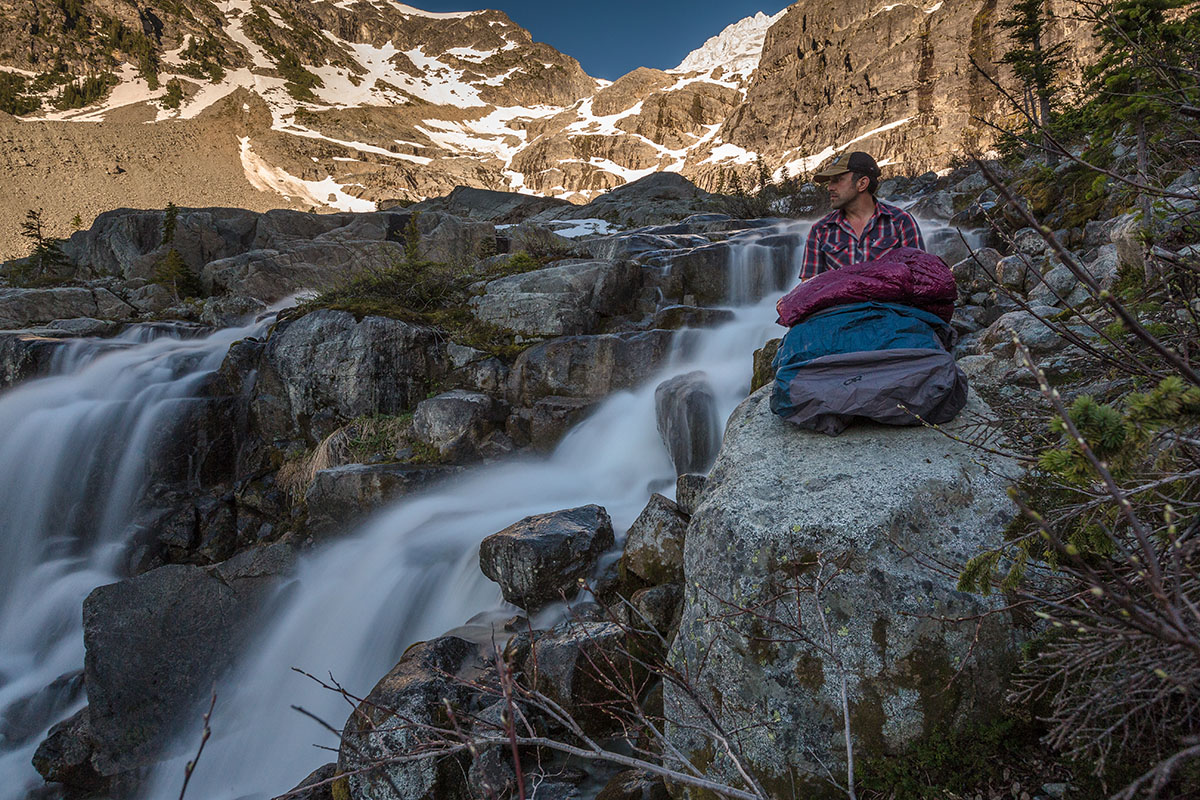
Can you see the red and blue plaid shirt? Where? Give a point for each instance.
(832, 244)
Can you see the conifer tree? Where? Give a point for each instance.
(1144, 75)
(170, 217)
(46, 252)
(1035, 64)
(174, 273)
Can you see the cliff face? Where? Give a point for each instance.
(894, 78)
(345, 105)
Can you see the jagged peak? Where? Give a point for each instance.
(737, 48)
(404, 8)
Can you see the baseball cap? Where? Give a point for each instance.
(858, 161)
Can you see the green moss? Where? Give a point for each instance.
(944, 763)
(810, 672)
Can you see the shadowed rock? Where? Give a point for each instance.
(685, 408)
(542, 557)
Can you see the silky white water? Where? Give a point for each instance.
(75, 457)
(74, 460)
(411, 573)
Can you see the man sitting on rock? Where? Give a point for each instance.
(860, 228)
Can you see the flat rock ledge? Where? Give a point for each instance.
(784, 506)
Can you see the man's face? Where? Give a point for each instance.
(843, 189)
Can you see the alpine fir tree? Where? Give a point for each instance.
(45, 253)
(1147, 71)
(1034, 63)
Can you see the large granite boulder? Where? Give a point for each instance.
(325, 368)
(786, 507)
(156, 643)
(488, 205)
(270, 274)
(128, 242)
(586, 366)
(542, 557)
(564, 299)
(20, 308)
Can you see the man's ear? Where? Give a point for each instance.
(862, 183)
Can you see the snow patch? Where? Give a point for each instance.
(416, 12)
(737, 49)
(575, 228)
(327, 192)
(807, 164)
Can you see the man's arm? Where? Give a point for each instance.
(811, 264)
(910, 232)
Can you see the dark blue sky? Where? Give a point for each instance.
(611, 38)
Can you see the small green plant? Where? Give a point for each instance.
(174, 96)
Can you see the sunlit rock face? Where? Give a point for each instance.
(895, 78)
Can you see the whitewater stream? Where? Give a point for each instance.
(75, 457)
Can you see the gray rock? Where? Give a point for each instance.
(634, 785)
(152, 298)
(1013, 271)
(689, 490)
(586, 366)
(490, 206)
(155, 644)
(1053, 287)
(1126, 235)
(340, 494)
(65, 755)
(544, 424)
(26, 354)
(563, 662)
(20, 308)
(658, 606)
(324, 369)
(697, 276)
(634, 244)
(325, 792)
(686, 410)
(383, 726)
(452, 240)
(976, 272)
(948, 244)
(934, 206)
(654, 543)
(1029, 242)
(542, 557)
(230, 310)
(674, 317)
(1106, 266)
(455, 423)
(269, 274)
(890, 620)
(1035, 335)
(561, 300)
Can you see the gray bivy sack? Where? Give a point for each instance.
(883, 362)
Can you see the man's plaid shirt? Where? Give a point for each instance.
(832, 244)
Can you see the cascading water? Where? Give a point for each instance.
(412, 571)
(75, 458)
(73, 462)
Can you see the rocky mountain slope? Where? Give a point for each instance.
(351, 104)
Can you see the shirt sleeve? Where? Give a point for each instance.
(911, 233)
(810, 265)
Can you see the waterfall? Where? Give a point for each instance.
(411, 572)
(76, 455)
(74, 460)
